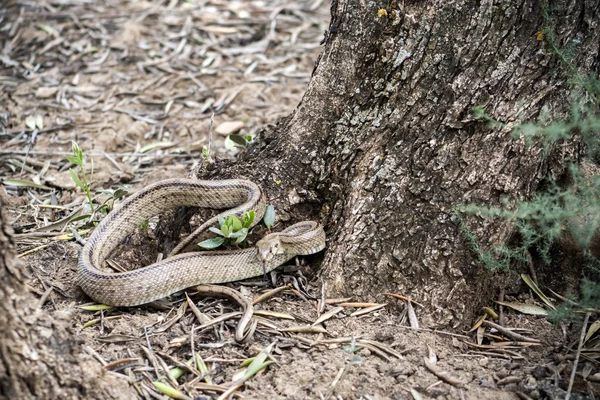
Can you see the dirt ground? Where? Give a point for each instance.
(135, 83)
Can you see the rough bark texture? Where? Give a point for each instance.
(38, 356)
(384, 145)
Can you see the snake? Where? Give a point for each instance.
(183, 269)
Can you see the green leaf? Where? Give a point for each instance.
(236, 223)
(76, 179)
(92, 172)
(95, 307)
(537, 291)
(240, 235)
(257, 364)
(221, 220)
(529, 309)
(237, 234)
(269, 217)
(156, 145)
(177, 372)
(74, 160)
(76, 150)
(226, 230)
(96, 321)
(248, 218)
(23, 183)
(169, 391)
(80, 217)
(239, 140)
(120, 192)
(212, 243)
(216, 230)
(592, 329)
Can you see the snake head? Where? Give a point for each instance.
(267, 248)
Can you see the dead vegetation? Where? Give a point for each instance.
(135, 84)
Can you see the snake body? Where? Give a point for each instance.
(182, 270)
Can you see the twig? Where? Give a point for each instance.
(581, 340)
(443, 375)
(77, 236)
(337, 379)
(210, 135)
(151, 353)
(509, 333)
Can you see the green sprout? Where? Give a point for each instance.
(81, 180)
(231, 231)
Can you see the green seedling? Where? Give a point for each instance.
(231, 231)
(234, 141)
(81, 180)
(113, 194)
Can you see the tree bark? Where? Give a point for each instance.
(38, 357)
(384, 145)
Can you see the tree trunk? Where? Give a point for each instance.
(38, 356)
(384, 145)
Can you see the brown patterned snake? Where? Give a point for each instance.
(181, 271)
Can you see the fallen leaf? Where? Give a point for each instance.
(229, 127)
(529, 309)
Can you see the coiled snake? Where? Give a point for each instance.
(183, 270)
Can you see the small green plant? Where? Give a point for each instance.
(81, 180)
(234, 141)
(113, 194)
(206, 154)
(231, 231)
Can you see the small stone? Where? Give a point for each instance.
(229, 127)
(61, 180)
(530, 383)
(45, 92)
(503, 373)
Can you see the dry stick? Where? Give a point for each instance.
(323, 299)
(434, 331)
(165, 368)
(77, 236)
(96, 355)
(337, 379)
(194, 362)
(45, 296)
(581, 340)
(531, 267)
(501, 308)
(210, 130)
(180, 364)
(443, 375)
(230, 392)
(509, 333)
(412, 316)
(30, 144)
(151, 353)
(268, 294)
